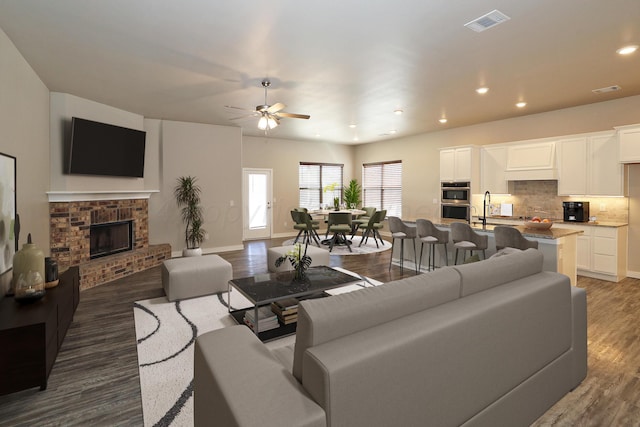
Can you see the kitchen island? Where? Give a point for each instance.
(557, 244)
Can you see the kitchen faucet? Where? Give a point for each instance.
(484, 209)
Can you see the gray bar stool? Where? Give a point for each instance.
(400, 230)
(431, 235)
(509, 237)
(466, 239)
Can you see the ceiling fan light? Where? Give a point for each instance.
(263, 123)
(271, 123)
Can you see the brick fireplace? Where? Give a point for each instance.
(70, 223)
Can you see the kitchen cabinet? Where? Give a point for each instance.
(588, 165)
(460, 164)
(493, 162)
(601, 251)
(531, 161)
(629, 143)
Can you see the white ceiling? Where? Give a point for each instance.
(342, 62)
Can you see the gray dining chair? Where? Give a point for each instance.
(339, 224)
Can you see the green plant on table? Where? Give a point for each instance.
(352, 194)
(299, 260)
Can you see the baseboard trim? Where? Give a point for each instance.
(178, 254)
(633, 274)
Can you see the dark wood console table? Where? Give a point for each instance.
(31, 334)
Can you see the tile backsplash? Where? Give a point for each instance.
(540, 198)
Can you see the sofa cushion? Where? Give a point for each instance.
(325, 319)
(479, 276)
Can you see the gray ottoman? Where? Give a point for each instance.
(318, 257)
(195, 276)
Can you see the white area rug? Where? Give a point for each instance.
(166, 333)
(356, 249)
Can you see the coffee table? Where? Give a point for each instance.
(264, 289)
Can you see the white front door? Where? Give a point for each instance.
(257, 203)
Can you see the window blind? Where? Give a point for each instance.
(382, 186)
(319, 183)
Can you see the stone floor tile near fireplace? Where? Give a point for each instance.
(71, 224)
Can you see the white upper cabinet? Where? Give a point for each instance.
(493, 163)
(629, 143)
(588, 165)
(460, 164)
(531, 161)
(572, 166)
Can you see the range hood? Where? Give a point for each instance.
(531, 162)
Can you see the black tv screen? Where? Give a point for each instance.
(104, 149)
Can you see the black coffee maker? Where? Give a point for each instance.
(575, 211)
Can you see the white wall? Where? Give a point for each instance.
(283, 157)
(213, 154)
(24, 134)
(63, 108)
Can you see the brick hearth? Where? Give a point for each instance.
(69, 227)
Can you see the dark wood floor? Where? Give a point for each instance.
(95, 378)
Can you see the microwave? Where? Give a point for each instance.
(455, 193)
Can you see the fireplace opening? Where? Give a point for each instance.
(110, 238)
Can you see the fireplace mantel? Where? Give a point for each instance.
(82, 196)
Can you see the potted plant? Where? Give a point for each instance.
(187, 194)
(352, 194)
(299, 260)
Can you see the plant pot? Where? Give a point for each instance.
(192, 252)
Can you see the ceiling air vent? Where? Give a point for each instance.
(606, 89)
(487, 21)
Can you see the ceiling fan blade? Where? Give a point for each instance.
(246, 116)
(292, 115)
(275, 107)
(237, 108)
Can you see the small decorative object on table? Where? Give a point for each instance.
(28, 273)
(299, 261)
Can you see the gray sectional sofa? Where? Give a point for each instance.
(493, 343)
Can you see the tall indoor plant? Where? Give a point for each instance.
(187, 194)
(352, 194)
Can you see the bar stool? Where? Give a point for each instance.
(509, 237)
(400, 230)
(468, 240)
(429, 234)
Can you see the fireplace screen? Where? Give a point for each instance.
(111, 238)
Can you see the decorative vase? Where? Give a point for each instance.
(191, 252)
(28, 273)
(301, 272)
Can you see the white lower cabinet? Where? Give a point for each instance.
(602, 251)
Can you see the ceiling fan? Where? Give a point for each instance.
(270, 115)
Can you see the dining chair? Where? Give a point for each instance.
(373, 227)
(466, 239)
(432, 236)
(339, 224)
(400, 230)
(509, 237)
(304, 225)
(305, 210)
(362, 220)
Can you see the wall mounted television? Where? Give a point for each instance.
(102, 149)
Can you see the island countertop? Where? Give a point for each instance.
(554, 232)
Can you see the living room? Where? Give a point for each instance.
(32, 130)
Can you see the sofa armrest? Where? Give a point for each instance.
(579, 334)
(238, 382)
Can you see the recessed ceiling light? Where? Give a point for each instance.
(393, 131)
(521, 104)
(627, 50)
(482, 90)
(352, 125)
(355, 138)
(443, 120)
(397, 111)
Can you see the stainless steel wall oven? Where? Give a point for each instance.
(455, 200)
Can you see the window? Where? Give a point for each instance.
(382, 186)
(319, 183)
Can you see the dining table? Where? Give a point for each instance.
(355, 213)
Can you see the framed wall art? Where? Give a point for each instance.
(8, 237)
